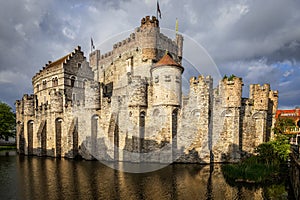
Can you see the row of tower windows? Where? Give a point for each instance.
(167, 78)
(54, 81)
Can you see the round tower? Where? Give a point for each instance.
(166, 78)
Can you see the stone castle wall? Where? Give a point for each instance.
(121, 106)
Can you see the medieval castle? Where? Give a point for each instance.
(127, 105)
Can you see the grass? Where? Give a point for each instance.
(251, 171)
(7, 147)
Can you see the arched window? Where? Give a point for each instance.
(94, 133)
(73, 79)
(84, 83)
(44, 84)
(142, 130)
(54, 82)
(20, 133)
(58, 127)
(156, 112)
(174, 132)
(30, 137)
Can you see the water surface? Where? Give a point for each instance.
(24, 177)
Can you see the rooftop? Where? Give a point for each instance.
(167, 60)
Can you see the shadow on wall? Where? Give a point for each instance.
(136, 150)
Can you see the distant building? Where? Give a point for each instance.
(127, 105)
(293, 114)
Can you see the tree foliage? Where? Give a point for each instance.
(283, 123)
(7, 121)
(275, 151)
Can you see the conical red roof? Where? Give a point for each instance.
(166, 60)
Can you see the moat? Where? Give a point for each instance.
(23, 177)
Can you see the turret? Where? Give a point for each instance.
(232, 91)
(29, 104)
(147, 22)
(148, 36)
(200, 85)
(166, 79)
(260, 96)
(273, 96)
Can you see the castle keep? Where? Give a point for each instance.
(127, 105)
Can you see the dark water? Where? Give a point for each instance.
(48, 178)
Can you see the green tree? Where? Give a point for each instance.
(283, 123)
(7, 121)
(275, 151)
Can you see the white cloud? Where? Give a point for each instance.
(288, 73)
(11, 77)
(237, 34)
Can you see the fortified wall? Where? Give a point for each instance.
(127, 105)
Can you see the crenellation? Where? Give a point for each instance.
(129, 100)
(232, 88)
(147, 22)
(260, 95)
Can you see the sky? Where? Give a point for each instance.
(256, 40)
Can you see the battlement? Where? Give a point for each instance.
(231, 90)
(257, 90)
(151, 43)
(200, 79)
(260, 96)
(273, 94)
(126, 44)
(232, 80)
(27, 97)
(147, 22)
(18, 102)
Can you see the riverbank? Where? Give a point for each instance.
(31, 177)
(8, 147)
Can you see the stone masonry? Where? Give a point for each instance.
(127, 105)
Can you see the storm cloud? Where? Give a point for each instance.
(257, 40)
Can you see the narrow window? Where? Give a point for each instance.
(54, 82)
(167, 78)
(84, 83)
(73, 79)
(44, 84)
